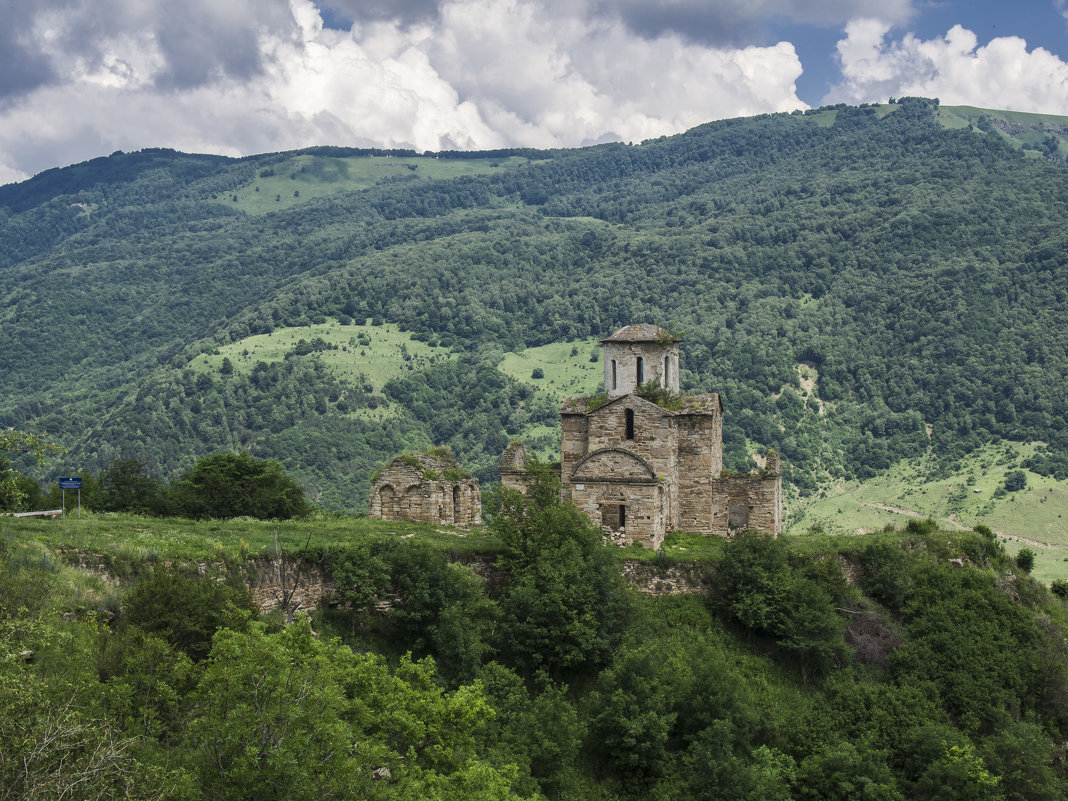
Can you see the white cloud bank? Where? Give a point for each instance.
(480, 74)
(953, 68)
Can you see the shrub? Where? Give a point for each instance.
(1015, 481)
(237, 485)
(596, 401)
(928, 526)
(661, 396)
(185, 610)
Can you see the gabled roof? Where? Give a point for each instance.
(691, 404)
(642, 332)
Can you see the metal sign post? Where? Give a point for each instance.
(71, 482)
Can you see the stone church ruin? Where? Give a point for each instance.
(426, 488)
(641, 459)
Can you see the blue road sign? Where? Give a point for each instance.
(74, 482)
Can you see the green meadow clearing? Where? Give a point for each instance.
(308, 176)
(374, 353)
(957, 498)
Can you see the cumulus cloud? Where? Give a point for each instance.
(458, 74)
(189, 43)
(954, 68)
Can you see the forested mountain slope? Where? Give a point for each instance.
(913, 268)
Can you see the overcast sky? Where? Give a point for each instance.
(83, 78)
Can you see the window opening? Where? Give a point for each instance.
(641, 370)
(622, 517)
(455, 504)
(613, 373)
(630, 423)
(667, 368)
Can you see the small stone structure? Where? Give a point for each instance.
(513, 467)
(426, 488)
(642, 460)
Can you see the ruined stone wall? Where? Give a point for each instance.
(574, 442)
(644, 503)
(513, 467)
(514, 480)
(700, 458)
(402, 493)
(752, 501)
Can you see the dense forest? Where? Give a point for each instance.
(518, 663)
(917, 269)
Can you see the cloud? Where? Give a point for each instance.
(472, 74)
(22, 67)
(187, 44)
(954, 68)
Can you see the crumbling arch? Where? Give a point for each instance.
(628, 466)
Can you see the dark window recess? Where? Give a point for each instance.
(641, 370)
(610, 516)
(630, 423)
(613, 373)
(622, 516)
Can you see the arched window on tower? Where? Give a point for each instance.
(641, 370)
(613, 373)
(629, 417)
(667, 371)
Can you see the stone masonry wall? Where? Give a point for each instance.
(573, 448)
(401, 492)
(626, 354)
(751, 501)
(700, 459)
(654, 433)
(654, 439)
(643, 502)
(513, 467)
